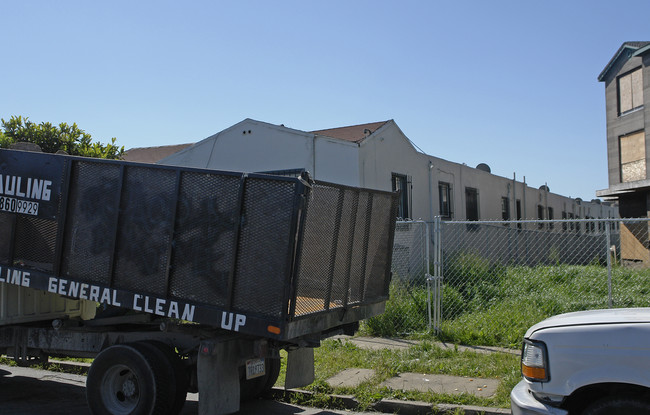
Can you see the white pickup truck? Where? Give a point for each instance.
(588, 362)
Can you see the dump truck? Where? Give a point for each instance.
(178, 279)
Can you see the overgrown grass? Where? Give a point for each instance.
(334, 356)
(493, 305)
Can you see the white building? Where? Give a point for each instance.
(379, 155)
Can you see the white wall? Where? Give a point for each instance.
(254, 146)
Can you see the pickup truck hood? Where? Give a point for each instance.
(591, 317)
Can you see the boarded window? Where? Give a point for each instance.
(633, 157)
(630, 91)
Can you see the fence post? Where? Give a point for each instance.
(434, 282)
(609, 262)
(426, 238)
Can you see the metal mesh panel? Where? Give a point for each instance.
(264, 247)
(92, 216)
(145, 230)
(347, 228)
(35, 242)
(359, 248)
(343, 256)
(318, 252)
(377, 261)
(204, 243)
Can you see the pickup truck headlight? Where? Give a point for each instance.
(534, 361)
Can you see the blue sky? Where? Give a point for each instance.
(508, 83)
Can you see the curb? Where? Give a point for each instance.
(391, 406)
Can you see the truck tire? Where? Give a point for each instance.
(127, 379)
(174, 370)
(253, 388)
(618, 406)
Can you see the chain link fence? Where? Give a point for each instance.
(486, 282)
(409, 309)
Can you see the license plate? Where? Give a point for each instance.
(255, 368)
(9, 204)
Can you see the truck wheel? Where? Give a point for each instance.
(174, 370)
(618, 406)
(127, 379)
(253, 388)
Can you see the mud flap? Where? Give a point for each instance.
(218, 378)
(300, 368)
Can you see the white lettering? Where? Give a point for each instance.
(115, 302)
(159, 306)
(240, 320)
(18, 192)
(47, 191)
(15, 277)
(62, 284)
(188, 313)
(73, 291)
(136, 306)
(51, 285)
(228, 325)
(26, 279)
(147, 309)
(10, 190)
(83, 293)
(37, 189)
(94, 293)
(106, 296)
(173, 310)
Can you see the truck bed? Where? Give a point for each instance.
(273, 256)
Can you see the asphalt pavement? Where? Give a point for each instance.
(27, 391)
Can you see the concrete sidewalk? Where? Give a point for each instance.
(443, 384)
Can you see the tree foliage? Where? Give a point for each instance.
(52, 138)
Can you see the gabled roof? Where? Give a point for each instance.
(630, 47)
(152, 154)
(352, 133)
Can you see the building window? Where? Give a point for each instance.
(471, 203)
(540, 216)
(401, 184)
(550, 216)
(444, 192)
(505, 208)
(518, 208)
(564, 224)
(632, 152)
(630, 91)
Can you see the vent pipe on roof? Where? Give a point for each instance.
(367, 132)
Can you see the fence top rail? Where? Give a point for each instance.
(506, 222)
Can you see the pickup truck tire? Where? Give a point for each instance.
(128, 379)
(253, 388)
(618, 406)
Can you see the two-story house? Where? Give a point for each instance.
(627, 91)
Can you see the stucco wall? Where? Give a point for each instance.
(253, 146)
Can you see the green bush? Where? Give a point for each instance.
(406, 312)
